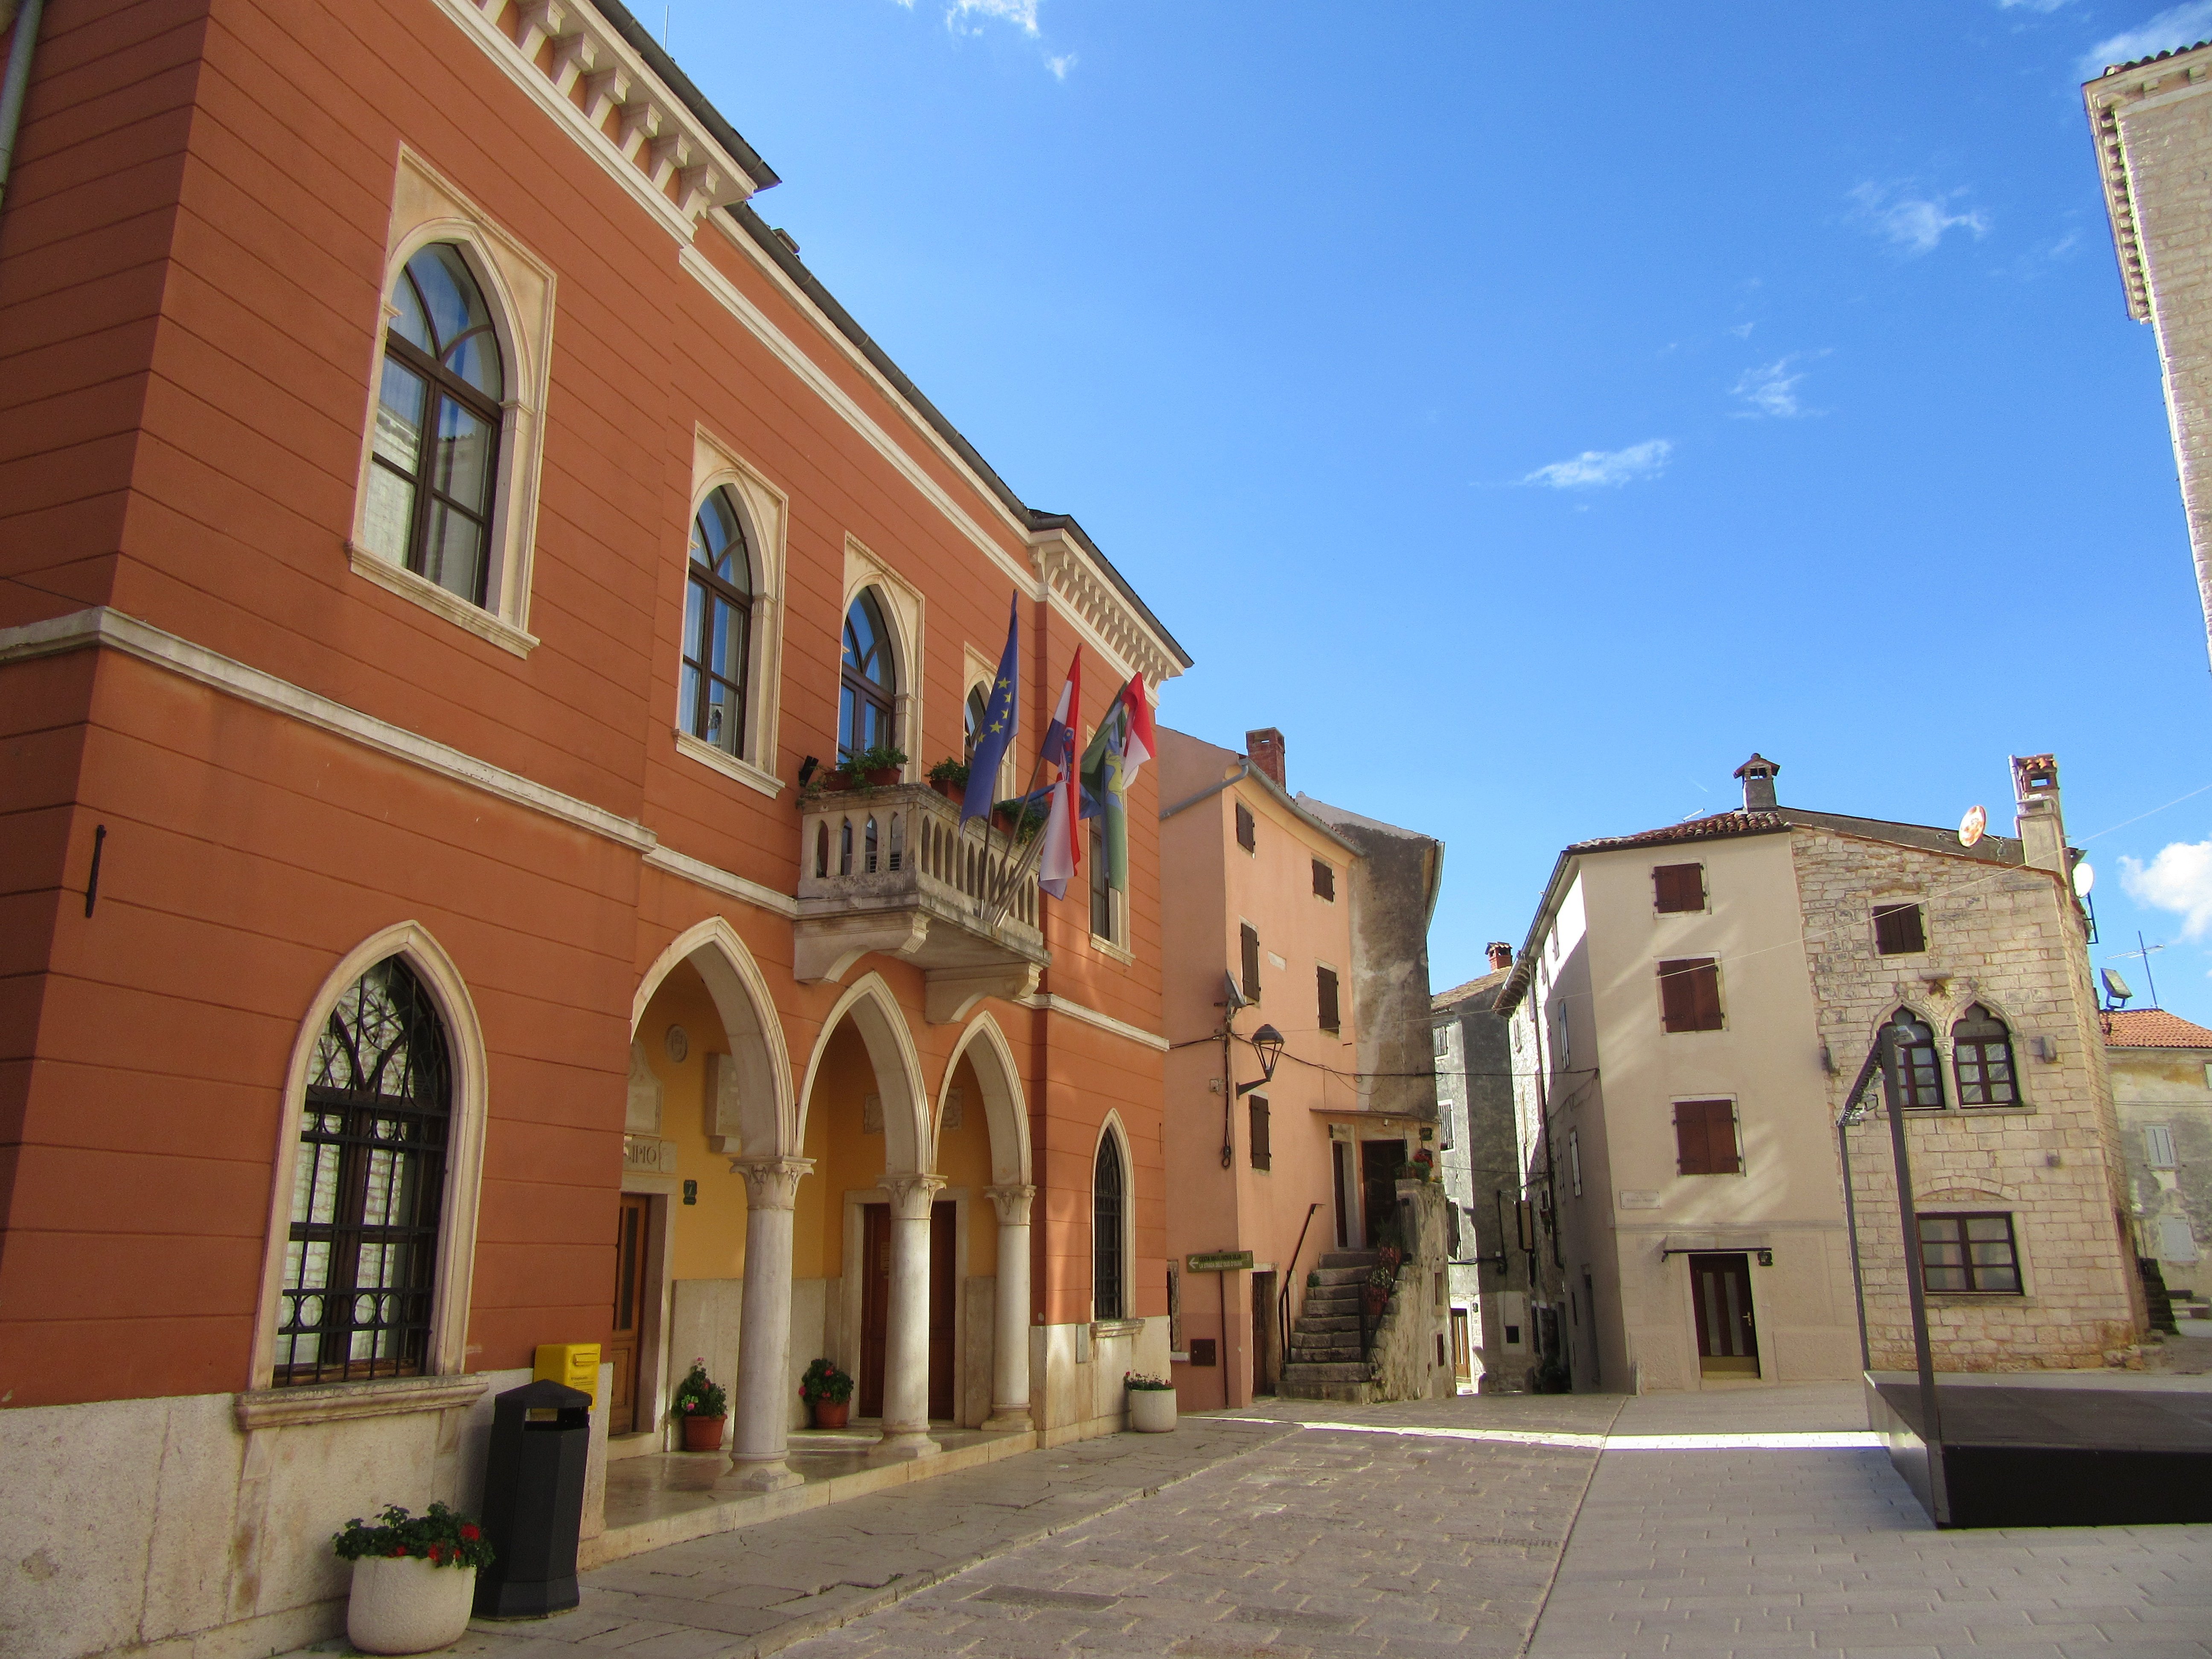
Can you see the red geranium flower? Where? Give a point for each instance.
(471, 1533)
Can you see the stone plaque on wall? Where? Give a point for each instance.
(723, 1127)
(648, 1154)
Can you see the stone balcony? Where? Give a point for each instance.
(892, 871)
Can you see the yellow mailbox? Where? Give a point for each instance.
(573, 1364)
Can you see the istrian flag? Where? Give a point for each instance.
(1123, 744)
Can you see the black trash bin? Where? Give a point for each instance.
(533, 1500)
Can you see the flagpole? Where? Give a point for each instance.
(982, 907)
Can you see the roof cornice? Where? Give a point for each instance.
(2123, 90)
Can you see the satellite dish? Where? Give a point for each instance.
(1232, 997)
(1972, 825)
(2085, 878)
(2116, 988)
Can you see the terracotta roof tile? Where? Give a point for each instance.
(1444, 1000)
(2152, 1027)
(1705, 828)
(2156, 57)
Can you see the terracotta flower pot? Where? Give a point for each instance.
(402, 1604)
(832, 1413)
(883, 777)
(703, 1434)
(1152, 1411)
(949, 789)
(836, 782)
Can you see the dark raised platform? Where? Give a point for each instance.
(2103, 1454)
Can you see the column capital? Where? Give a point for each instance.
(1013, 1204)
(771, 1183)
(911, 1195)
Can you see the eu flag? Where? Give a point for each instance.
(997, 733)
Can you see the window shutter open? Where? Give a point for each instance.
(1325, 981)
(1262, 1152)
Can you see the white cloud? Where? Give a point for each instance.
(2032, 5)
(1595, 469)
(1916, 224)
(2176, 25)
(1743, 331)
(2179, 879)
(1060, 66)
(1771, 390)
(1022, 14)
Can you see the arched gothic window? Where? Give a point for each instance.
(718, 614)
(1107, 1291)
(1981, 1053)
(1917, 1062)
(978, 711)
(434, 458)
(864, 713)
(361, 1265)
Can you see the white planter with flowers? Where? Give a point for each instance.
(414, 1579)
(1151, 1404)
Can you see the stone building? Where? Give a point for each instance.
(1693, 1006)
(2162, 1069)
(2152, 124)
(1294, 1107)
(455, 561)
(1489, 1281)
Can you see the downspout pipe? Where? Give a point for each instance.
(17, 81)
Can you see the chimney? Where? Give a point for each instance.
(1501, 956)
(2042, 829)
(1264, 748)
(1758, 775)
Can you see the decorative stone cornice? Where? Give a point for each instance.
(574, 62)
(336, 1402)
(1071, 578)
(2118, 93)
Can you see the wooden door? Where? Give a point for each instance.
(629, 1312)
(944, 1306)
(1462, 1359)
(1336, 1151)
(875, 1304)
(1263, 1334)
(1378, 1185)
(1728, 1340)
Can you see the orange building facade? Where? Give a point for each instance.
(448, 544)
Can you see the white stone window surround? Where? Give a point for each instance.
(1129, 1157)
(518, 287)
(457, 1215)
(765, 511)
(905, 612)
(1940, 1019)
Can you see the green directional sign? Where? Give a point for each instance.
(1220, 1262)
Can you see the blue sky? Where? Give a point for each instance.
(1532, 422)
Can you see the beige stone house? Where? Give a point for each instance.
(2162, 1069)
(2152, 124)
(1690, 1011)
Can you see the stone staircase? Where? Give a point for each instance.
(1325, 1359)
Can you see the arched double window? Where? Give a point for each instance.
(718, 614)
(1918, 1066)
(1108, 1298)
(978, 715)
(434, 458)
(865, 710)
(1981, 1055)
(369, 1187)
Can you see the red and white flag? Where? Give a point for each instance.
(1138, 746)
(1061, 855)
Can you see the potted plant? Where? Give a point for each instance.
(878, 766)
(414, 1578)
(949, 778)
(1374, 1292)
(702, 1407)
(827, 1393)
(1018, 817)
(1152, 1402)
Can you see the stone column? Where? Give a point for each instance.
(1010, 1346)
(905, 1337)
(757, 1445)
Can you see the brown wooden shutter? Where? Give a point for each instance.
(1325, 979)
(1897, 929)
(1690, 995)
(1251, 942)
(1324, 880)
(1705, 1137)
(1262, 1152)
(1679, 887)
(1244, 826)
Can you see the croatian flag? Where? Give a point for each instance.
(1062, 855)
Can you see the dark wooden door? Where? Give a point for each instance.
(1336, 1151)
(1728, 1340)
(943, 1306)
(1263, 1334)
(629, 1312)
(875, 1304)
(1378, 1185)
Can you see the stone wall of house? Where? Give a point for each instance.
(2172, 1203)
(2009, 939)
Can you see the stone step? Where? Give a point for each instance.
(1350, 1259)
(1326, 1371)
(1315, 1324)
(1345, 1356)
(1331, 1296)
(1345, 1394)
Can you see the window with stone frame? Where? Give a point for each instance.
(1108, 1300)
(1981, 1055)
(1678, 888)
(1919, 1066)
(718, 620)
(1971, 1253)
